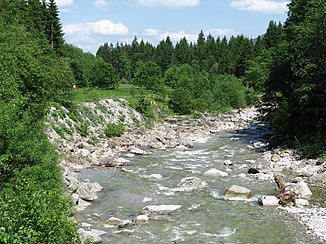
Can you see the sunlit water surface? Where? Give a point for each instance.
(205, 216)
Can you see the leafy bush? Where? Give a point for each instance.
(114, 130)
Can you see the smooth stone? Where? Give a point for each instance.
(141, 219)
(162, 209)
(268, 201)
(237, 191)
(114, 221)
(130, 155)
(242, 175)
(215, 173)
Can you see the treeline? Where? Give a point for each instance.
(34, 74)
(291, 73)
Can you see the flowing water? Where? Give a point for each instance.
(205, 216)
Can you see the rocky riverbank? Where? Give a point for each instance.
(80, 150)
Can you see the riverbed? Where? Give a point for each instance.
(205, 215)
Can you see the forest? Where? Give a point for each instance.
(283, 72)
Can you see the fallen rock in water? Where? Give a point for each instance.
(125, 224)
(114, 221)
(86, 193)
(238, 191)
(268, 201)
(190, 184)
(161, 209)
(215, 173)
(141, 219)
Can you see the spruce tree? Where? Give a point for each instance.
(54, 28)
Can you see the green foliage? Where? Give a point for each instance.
(32, 206)
(114, 130)
(181, 101)
(148, 75)
(296, 84)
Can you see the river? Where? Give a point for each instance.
(205, 215)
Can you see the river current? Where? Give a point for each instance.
(205, 215)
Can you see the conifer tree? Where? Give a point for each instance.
(54, 28)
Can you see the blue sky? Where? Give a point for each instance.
(89, 23)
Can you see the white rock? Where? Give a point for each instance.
(162, 209)
(89, 235)
(147, 199)
(74, 198)
(228, 162)
(268, 201)
(237, 191)
(155, 177)
(130, 155)
(242, 175)
(301, 189)
(262, 176)
(82, 204)
(94, 186)
(137, 151)
(190, 184)
(114, 221)
(85, 193)
(215, 173)
(83, 152)
(141, 219)
(301, 202)
(86, 225)
(122, 160)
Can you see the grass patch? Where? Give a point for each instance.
(96, 94)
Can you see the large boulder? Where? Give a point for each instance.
(238, 191)
(299, 188)
(86, 192)
(190, 184)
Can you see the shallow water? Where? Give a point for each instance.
(205, 216)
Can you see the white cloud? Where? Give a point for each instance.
(266, 6)
(64, 3)
(100, 3)
(191, 37)
(174, 36)
(167, 3)
(102, 27)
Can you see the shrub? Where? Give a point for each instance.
(114, 130)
